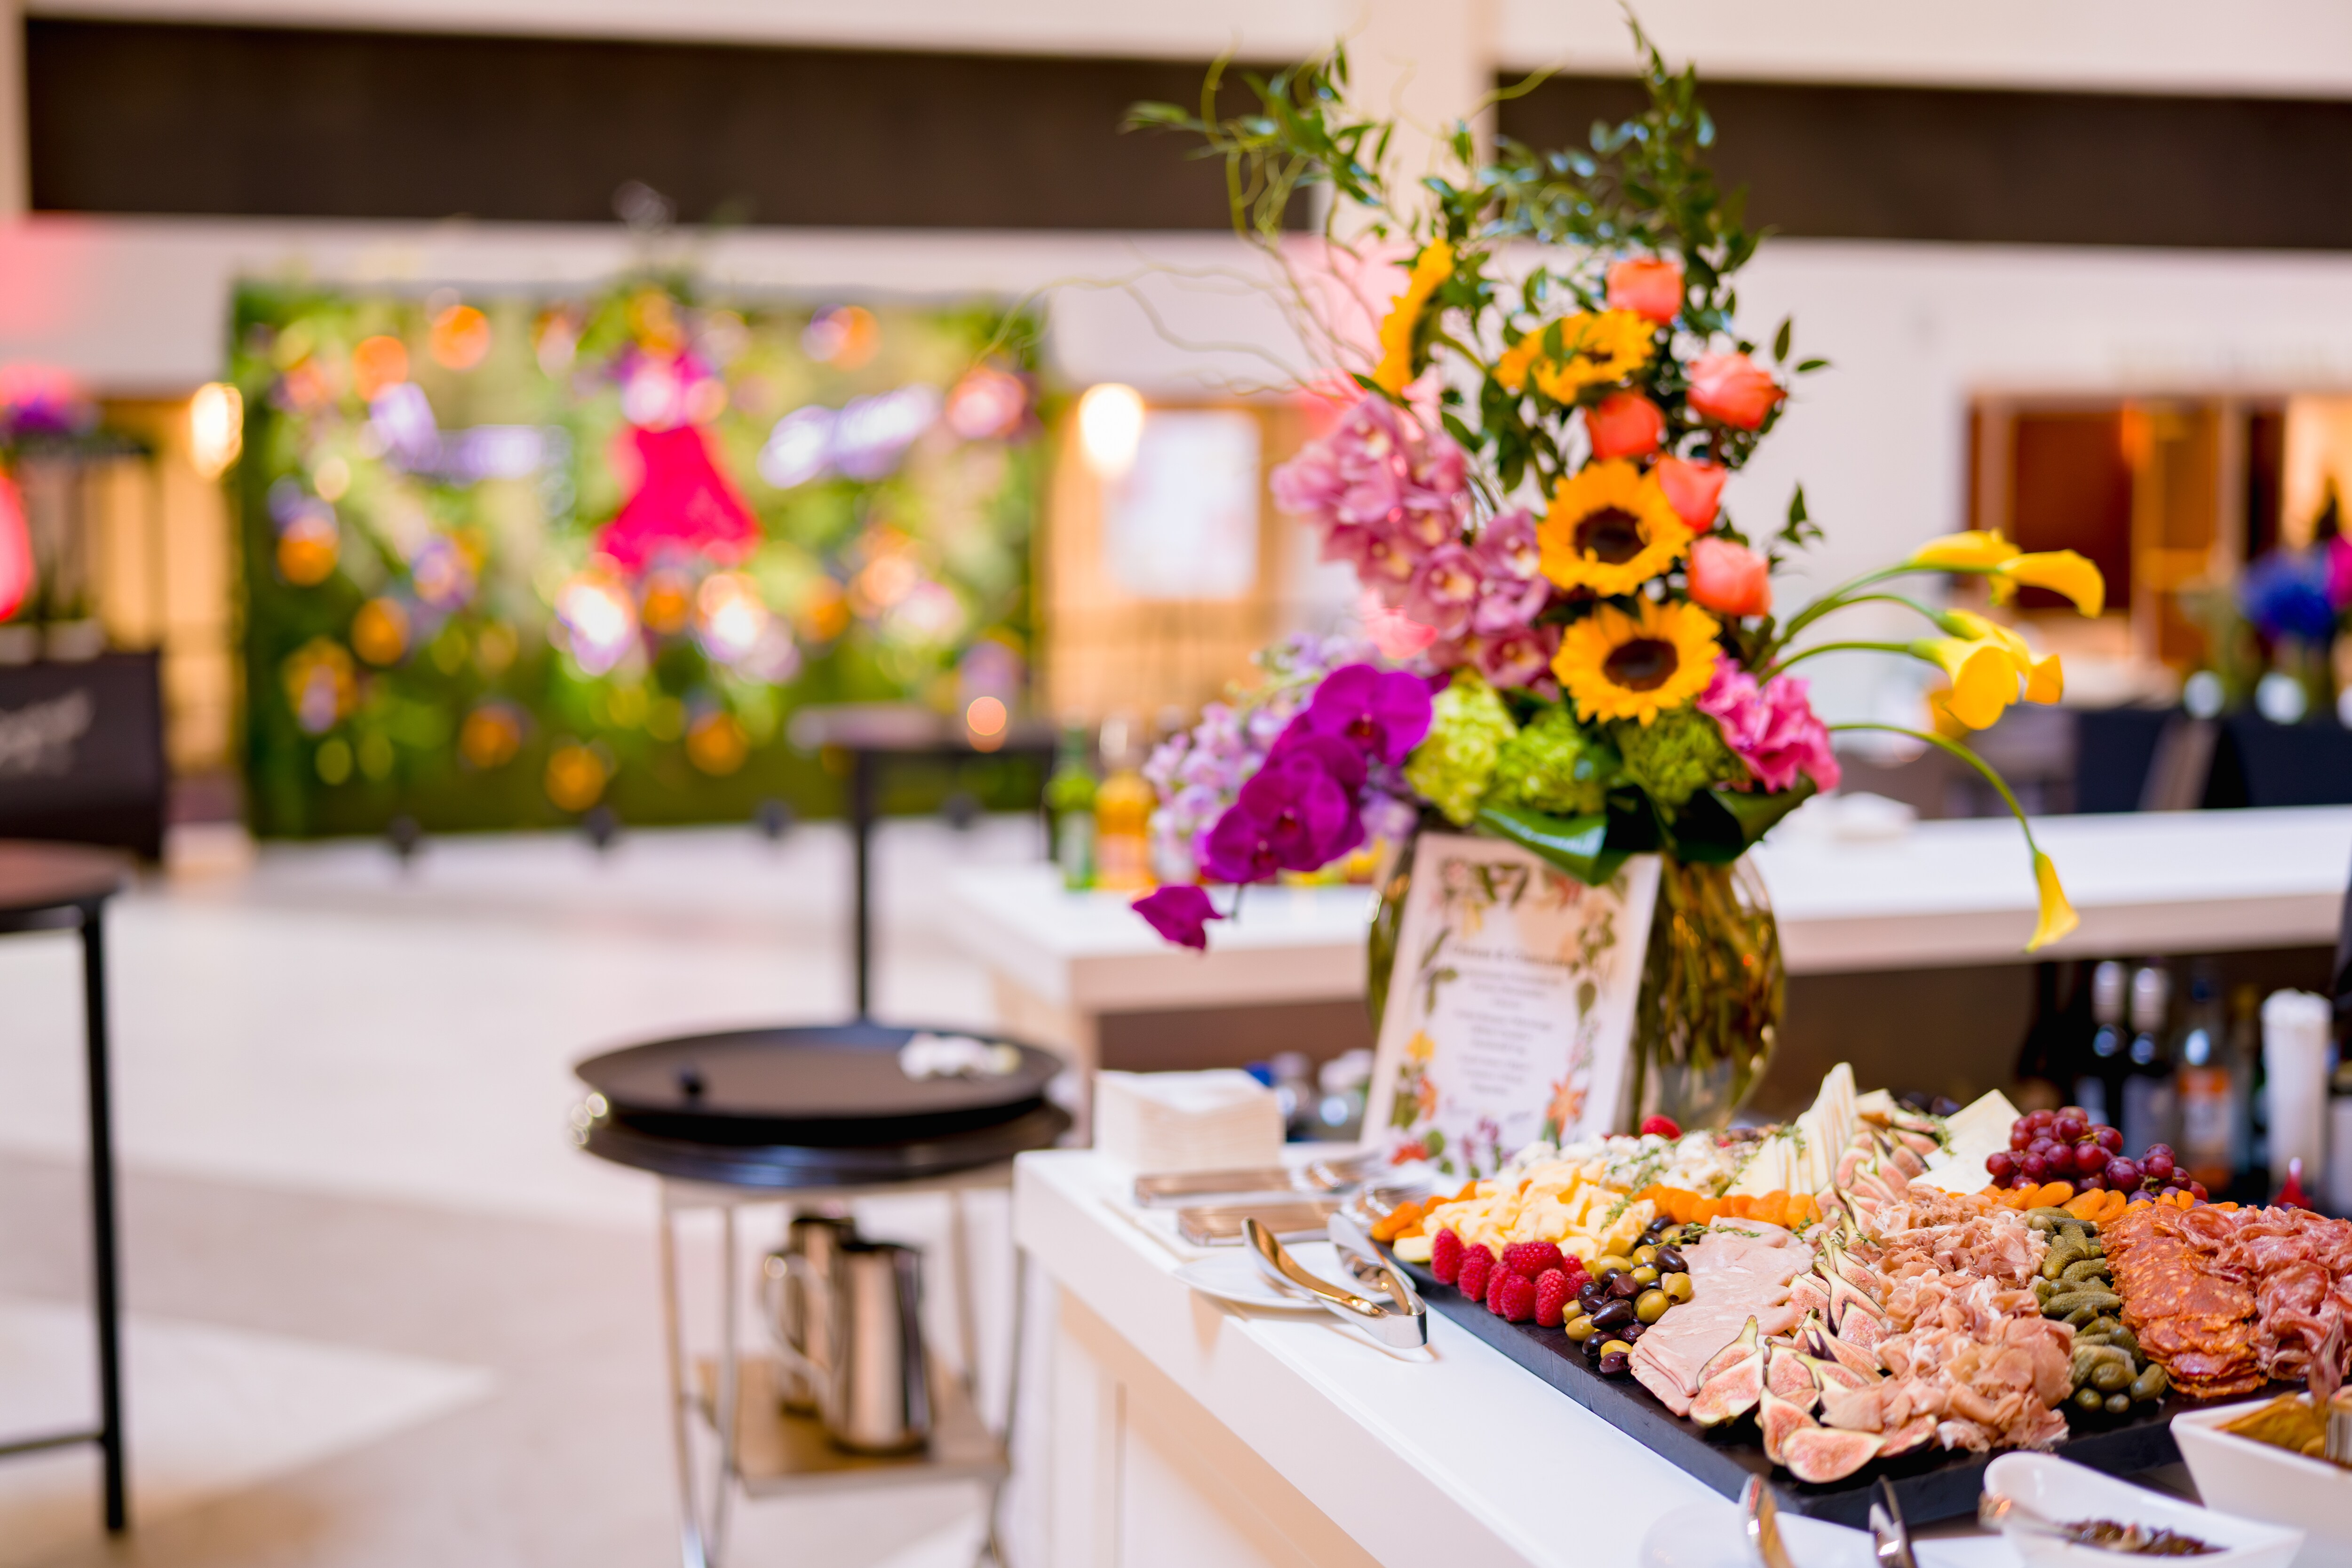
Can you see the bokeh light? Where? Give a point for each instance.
(1110, 428)
(215, 427)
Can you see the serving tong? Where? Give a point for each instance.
(1313, 1178)
(1402, 1323)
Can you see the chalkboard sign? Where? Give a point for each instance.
(81, 751)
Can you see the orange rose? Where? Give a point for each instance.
(1729, 579)
(1732, 389)
(1649, 286)
(1624, 424)
(1693, 488)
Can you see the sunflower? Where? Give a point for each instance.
(1433, 267)
(1597, 350)
(1610, 529)
(1637, 667)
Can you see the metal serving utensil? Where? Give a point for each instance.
(1362, 1259)
(1403, 1327)
(2008, 1513)
(1888, 1533)
(1763, 1525)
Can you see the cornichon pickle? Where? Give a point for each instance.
(2046, 1219)
(2149, 1384)
(2118, 1404)
(2089, 1400)
(2111, 1376)
(2067, 1303)
(2083, 1271)
(2124, 1339)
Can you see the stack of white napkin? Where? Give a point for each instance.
(1167, 1124)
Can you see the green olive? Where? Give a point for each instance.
(1651, 1305)
(1644, 1255)
(1645, 1274)
(1579, 1326)
(1617, 1347)
(2111, 1376)
(1611, 1261)
(1678, 1286)
(2089, 1400)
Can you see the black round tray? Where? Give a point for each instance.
(810, 1106)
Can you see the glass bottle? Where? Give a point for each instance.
(2098, 1083)
(1070, 798)
(2252, 1142)
(2149, 1112)
(2202, 1083)
(1123, 807)
(2038, 1067)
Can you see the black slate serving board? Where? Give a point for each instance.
(1930, 1484)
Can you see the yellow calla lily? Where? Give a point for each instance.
(2058, 916)
(1433, 267)
(1984, 677)
(1976, 547)
(2061, 571)
(2046, 681)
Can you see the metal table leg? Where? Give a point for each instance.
(104, 1285)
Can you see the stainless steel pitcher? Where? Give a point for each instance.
(876, 1394)
(796, 1288)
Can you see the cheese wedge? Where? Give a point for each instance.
(1976, 1130)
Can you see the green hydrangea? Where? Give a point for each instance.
(1677, 755)
(1554, 765)
(1454, 764)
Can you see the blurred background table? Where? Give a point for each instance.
(1941, 909)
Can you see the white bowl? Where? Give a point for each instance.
(2259, 1481)
(2070, 1493)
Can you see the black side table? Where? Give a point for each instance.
(56, 886)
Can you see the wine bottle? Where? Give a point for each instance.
(2148, 1105)
(2202, 1083)
(1070, 796)
(2040, 1085)
(2098, 1083)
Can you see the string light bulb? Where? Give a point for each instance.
(1110, 428)
(215, 427)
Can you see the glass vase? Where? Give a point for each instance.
(1712, 988)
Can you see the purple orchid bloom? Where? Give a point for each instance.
(1292, 815)
(1382, 714)
(1180, 912)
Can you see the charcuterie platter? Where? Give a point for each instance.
(1879, 1290)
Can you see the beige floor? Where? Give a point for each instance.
(342, 1093)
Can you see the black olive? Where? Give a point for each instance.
(1623, 1287)
(1614, 1363)
(1631, 1331)
(1593, 1297)
(1670, 1261)
(1594, 1342)
(1615, 1315)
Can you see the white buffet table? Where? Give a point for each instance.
(1944, 894)
(1185, 1431)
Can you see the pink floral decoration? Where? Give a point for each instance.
(1772, 730)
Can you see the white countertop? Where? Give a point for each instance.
(1450, 1455)
(1943, 894)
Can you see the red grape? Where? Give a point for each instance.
(2071, 1129)
(2197, 1191)
(2036, 1168)
(2094, 1182)
(2048, 1118)
(2089, 1158)
(2045, 1146)
(2163, 1149)
(2121, 1174)
(2021, 1136)
(2156, 1162)
(2001, 1166)
(2111, 1140)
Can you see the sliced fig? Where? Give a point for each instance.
(1861, 1358)
(1731, 1392)
(1742, 1346)
(1862, 1326)
(1824, 1454)
(1827, 1372)
(1908, 1436)
(1776, 1418)
(1846, 1298)
(1909, 1164)
(1790, 1375)
(1810, 1293)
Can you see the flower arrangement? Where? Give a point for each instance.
(1530, 471)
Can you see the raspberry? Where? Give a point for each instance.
(1471, 1280)
(1496, 1277)
(1553, 1292)
(1445, 1257)
(1530, 1259)
(1662, 1126)
(1516, 1300)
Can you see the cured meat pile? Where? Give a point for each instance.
(1733, 1277)
(2227, 1300)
